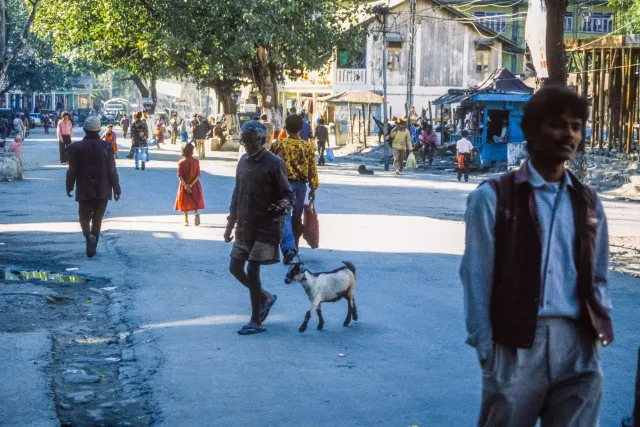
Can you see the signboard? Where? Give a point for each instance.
(80, 81)
(536, 36)
(147, 101)
(182, 101)
(169, 88)
(250, 108)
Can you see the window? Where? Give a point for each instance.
(482, 61)
(597, 23)
(568, 22)
(394, 50)
(496, 21)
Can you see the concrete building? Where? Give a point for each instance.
(450, 51)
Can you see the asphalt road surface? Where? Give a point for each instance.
(403, 363)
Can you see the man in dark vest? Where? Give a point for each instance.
(535, 272)
(92, 170)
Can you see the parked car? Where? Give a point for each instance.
(36, 119)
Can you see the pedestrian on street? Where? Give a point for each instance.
(174, 128)
(261, 197)
(111, 137)
(307, 132)
(27, 126)
(64, 132)
(4, 128)
(265, 121)
(18, 127)
(16, 146)
(159, 132)
(464, 155)
(535, 272)
(322, 137)
(184, 136)
(428, 142)
(189, 196)
(140, 140)
(124, 124)
(92, 170)
(46, 123)
(401, 143)
(200, 128)
(300, 159)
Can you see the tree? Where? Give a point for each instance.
(16, 19)
(627, 19)
(556, 56)
(120, 34)
(35, 69)
(259, 41)
(293, 37)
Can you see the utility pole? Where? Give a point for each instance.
(411, 65)
(381, 13)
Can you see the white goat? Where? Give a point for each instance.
(325, 287)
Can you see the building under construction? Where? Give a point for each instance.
(606, 71)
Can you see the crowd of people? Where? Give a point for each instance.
(536, 321)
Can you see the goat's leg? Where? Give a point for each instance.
(349, 313)
(321, 320)
(354, 309)
(314, 307)
(303, 327)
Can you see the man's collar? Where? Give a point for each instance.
(527, 173)
(259, 155)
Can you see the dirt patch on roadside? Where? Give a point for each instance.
(93, 374)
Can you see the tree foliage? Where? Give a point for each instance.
(627, 19)
(120, 34)
(36, 69)
(16, 19)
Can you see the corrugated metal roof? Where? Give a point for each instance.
(363, 97)
(508, 97)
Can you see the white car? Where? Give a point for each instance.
(36, 118)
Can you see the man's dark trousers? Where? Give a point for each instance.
(66, 140)
(467, 161)
(293, 225)
(321, 148)
(91, 213)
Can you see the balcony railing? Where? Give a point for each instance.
(351, 76)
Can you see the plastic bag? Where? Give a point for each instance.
(330, 156)
(311, 226)
(411, 162)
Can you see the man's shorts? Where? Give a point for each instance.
(260, 252)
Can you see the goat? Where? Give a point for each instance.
(325, 287)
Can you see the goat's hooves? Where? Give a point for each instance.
(302, 329)
(320, 327)
(345, 324)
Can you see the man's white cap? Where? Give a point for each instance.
(92, 123)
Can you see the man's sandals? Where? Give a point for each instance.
(252, 328)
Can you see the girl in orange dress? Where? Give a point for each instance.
(189, 196)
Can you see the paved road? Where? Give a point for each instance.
(405, 361)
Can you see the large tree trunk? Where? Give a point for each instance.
(154, 94)
(142, 88)
(266, 80)
(7, 53)
(224, 93)
(556, 56)
(557, 68)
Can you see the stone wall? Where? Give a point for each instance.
(10, 167)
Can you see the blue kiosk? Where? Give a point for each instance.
(484, 110)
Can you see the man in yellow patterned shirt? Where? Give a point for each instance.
(300, 159)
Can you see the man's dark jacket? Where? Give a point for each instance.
(92, 170)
